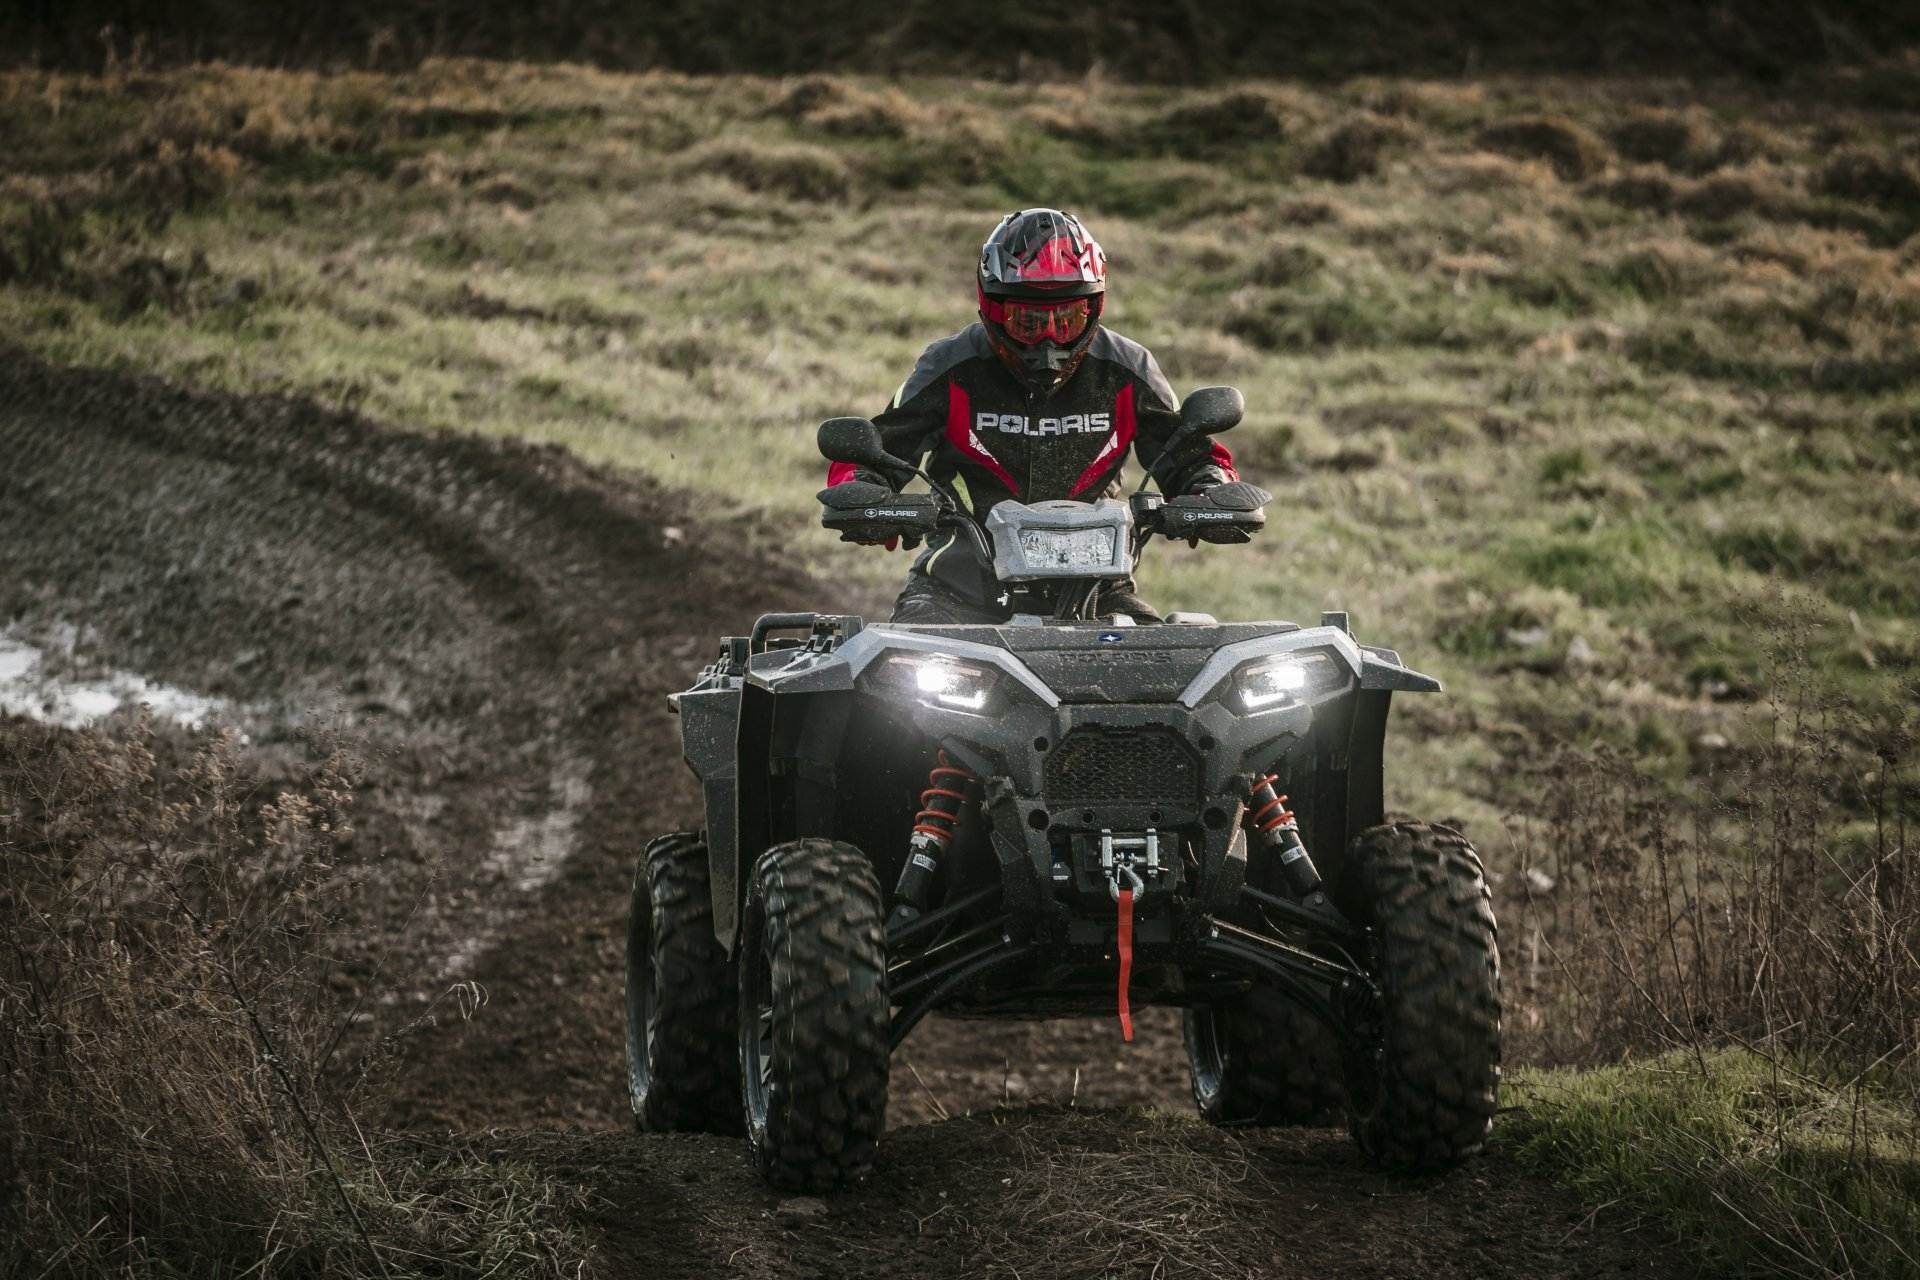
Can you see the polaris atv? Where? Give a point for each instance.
(1062, 815)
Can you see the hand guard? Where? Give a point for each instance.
(864, 512)
(1231, 512)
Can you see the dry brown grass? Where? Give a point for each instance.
(1250, 114)
(1575, 151)
(1354, 147)
(1166, 1203)
(1863, 173)
(793, 171)
(1681, 140)
(1767, 914)
(841, 107)
(167, 936)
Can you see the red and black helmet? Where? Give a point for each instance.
(1043, 281)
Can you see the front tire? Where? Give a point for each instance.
(682, 1072)
(1425, 1100)
(814, 1015)
(1262, 1061)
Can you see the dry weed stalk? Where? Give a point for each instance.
(166, 933)
(1159, 1206)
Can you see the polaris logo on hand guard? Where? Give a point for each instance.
(1019, 424)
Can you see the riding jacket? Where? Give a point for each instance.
(964, 417)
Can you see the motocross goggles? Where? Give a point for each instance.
(1028, 321)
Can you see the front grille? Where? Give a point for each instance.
(1099, 765)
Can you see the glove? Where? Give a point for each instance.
(1205, 478)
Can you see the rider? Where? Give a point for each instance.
(1036, 401)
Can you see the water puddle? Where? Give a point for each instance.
(29, 687)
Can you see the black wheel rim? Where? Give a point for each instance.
(640, 995)
(756, 1035)
(1211, 1060)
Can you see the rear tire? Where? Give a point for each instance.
(683, 1074)
(1425, 1100)
(814, 1015)
(1263, 1061)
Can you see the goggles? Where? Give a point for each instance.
(1027, 321)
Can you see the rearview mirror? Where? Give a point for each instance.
(856, 440)
(1211, 410)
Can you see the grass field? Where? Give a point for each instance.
(1598, 398)
(1571, 390)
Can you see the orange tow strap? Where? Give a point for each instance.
(1126, 963)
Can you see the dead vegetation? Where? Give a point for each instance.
(1768, 914)
(1356, 146)
(171, 1081)
(1165, 1200)
(1575, 151)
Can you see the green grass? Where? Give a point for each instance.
(1761, 1169)
(1522, 354)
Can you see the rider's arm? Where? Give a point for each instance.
(1201, 464)
(911, 423)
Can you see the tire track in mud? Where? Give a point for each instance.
(496, 625)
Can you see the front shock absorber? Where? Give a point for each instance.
(950, 788)
(1275, 826)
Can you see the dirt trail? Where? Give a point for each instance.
(497, 625)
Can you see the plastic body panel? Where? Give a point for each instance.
(832, 751)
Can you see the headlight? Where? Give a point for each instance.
(1282, 681)
(1067, 548)
(937, 680)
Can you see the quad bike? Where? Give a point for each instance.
(1062, 815)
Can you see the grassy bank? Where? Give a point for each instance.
(1571, 389)
(1764, 1168)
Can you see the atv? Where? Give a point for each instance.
(1061, 815)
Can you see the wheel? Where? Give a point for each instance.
(682, 1071)
(1263, 1061)
(813, 1015)
(1424, 1101)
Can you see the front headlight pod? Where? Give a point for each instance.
(1067, 548)
(1285, 680)
(942, 682)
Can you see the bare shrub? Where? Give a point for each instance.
(166, 935)
(1575, 151)
(1781, 911)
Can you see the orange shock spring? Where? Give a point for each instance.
(948, 789)
(1276, 828)
(1272, 813)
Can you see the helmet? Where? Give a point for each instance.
(1043, 281)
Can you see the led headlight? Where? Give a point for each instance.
(1286, 680)
(937, 680)
(1067, 548)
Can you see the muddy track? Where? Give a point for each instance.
(496, 626)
